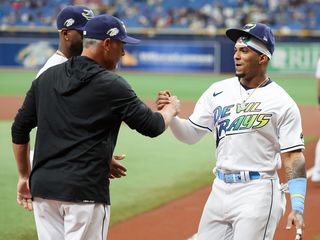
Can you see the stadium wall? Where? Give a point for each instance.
(167, 52)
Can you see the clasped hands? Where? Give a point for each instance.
(166, 100)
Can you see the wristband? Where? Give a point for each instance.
(297, 190)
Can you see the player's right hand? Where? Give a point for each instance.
(163, 99)
(117, 170)
(175, 103)
(296, 218)
(24, 197)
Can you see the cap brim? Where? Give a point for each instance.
(234, 34)
(72, 28)
(130, 40)
(79, 28)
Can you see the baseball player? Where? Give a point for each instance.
(79, 106)
(315, 177)
(70, 24)
(257, 124)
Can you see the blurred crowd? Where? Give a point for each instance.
(186, 14)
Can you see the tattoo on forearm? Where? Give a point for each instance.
(296, 169)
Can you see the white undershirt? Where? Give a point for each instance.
(55, 59)
(185, 131)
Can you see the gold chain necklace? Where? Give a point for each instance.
(243, 103)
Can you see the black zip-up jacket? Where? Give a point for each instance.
(78, 107)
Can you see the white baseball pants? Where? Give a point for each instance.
(58, 220)
(315, 177)
(238, 211)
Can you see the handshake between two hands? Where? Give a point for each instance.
(165, 100)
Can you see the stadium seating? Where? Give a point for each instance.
(184, 14)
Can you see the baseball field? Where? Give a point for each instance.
(167, 183)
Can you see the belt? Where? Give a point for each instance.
(243, 176)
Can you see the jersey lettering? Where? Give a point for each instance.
(243, 122)
(235, 125)
(249, 107)
(226, 111)
(223, 127)
(248, 121)
(263, 119)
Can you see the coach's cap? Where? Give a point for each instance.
(106, 26)
(74, 17)
(256, 30)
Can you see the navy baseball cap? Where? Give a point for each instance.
(74, 17)
(257, 30)
(106, 26)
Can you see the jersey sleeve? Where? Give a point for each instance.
(290, 130)
(202, 114)
(185, 131)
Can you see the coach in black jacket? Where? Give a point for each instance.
(78, 107)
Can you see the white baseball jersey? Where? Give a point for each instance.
(249, 138)
(55, 59)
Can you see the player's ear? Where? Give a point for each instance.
(64, 33)
(106, 44)
(263, 59)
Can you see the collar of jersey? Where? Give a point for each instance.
(248, 88)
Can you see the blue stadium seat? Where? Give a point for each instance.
(177, 13)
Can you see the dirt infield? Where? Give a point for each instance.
(178, 220)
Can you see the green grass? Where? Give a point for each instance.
(186, 86)
(190, 87)
(15, 83)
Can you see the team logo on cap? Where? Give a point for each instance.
(123, 26)
(87, 13)
(69, 22)
(249, 26)
(243, 39)
(113, 32)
